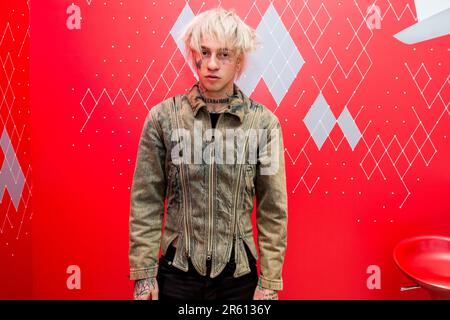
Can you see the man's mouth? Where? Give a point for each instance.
(212, 77)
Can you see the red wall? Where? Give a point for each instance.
(90, 92)
(16, 189)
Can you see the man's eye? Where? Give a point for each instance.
(204, 53)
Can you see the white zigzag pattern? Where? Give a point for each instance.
(4, 122)
(418, 145)
(399, 14)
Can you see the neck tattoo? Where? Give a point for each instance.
(211, 100)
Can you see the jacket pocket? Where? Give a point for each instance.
(249, 186)
(173, 197)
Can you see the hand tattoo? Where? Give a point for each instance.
(267, 294)
(143, 287)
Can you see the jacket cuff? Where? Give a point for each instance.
(270, 284)
(137, 274)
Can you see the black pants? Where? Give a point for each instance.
(177, 285)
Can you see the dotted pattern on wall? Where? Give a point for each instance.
(15, 158)
(364, 116)
(338, 52)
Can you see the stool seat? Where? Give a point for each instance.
(426, 261)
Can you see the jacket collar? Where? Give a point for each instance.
(239, 102)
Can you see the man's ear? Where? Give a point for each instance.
(239, 62)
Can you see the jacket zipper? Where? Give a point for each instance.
(211, 193)
(186, 211)
(238, 234)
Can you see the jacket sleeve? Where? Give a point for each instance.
(271, 208)
(147, 201)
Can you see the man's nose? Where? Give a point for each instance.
(213, 64)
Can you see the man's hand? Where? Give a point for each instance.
(265, 294)
(146, 289)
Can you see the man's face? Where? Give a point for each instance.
(216, 67)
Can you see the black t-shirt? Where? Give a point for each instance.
(214, 118)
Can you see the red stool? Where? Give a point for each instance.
(426, 261)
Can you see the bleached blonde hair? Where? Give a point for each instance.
(223, 26)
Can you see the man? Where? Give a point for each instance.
(208, 249)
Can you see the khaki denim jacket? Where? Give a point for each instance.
(209, 201)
